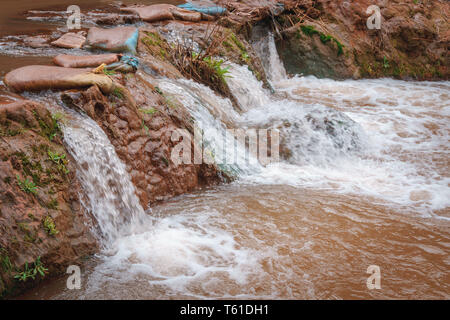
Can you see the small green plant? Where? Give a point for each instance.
(59, 159)
(108, 72)
(118, 92)
(386, 64)
(340, 47)
(27, 185)
(29, 233)
(159, 90)
(245, 57)
(53, 204)
(217, 66)
(325, 38)
(171, 102)
(49, 226)
(32, 272)
(50, 131)
(59, 117)
(146, 129)
(310, 31)
(5, 261)
(150, 111)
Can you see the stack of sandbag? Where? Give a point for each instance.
(120, 39)
(70, 61)
(159, 12)
(37, 78)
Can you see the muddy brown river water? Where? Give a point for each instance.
(306, 228)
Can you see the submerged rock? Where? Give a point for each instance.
(114, 19)
(70, 41)
(204, 7)
(40, 41)
(152, 13)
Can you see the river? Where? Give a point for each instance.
(366, 183)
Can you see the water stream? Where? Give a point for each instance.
(109, 194)
(363, 181)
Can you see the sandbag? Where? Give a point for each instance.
(158, 12)
(37, 78)
(153, 13)
(120, 39)
(203, 7)
(70, 61)
(187, 15)
(70, 41)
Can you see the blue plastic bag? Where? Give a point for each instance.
(213, 10)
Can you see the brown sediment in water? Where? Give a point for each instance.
(308, 244)
(250, 240)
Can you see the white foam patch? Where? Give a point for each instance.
(405, 156)
(179, 253)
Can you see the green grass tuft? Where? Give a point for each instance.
(27, 185)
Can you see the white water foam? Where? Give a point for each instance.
(386, 139)
(186, 253)
(202, 103)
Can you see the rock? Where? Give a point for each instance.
(40, 41)
(114, 19)
(70, 61)
(308, 54)
(411, 43)
(119, 39)
(36, 78)
(70, 41)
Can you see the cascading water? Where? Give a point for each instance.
(364, 162)
(203, 104)
(110, 194)
(263, 42)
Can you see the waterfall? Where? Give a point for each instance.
(313, 134)
(211, 112)
(263, 42)
(110, 196)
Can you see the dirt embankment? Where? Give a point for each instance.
(332, 39)
(42, 223)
